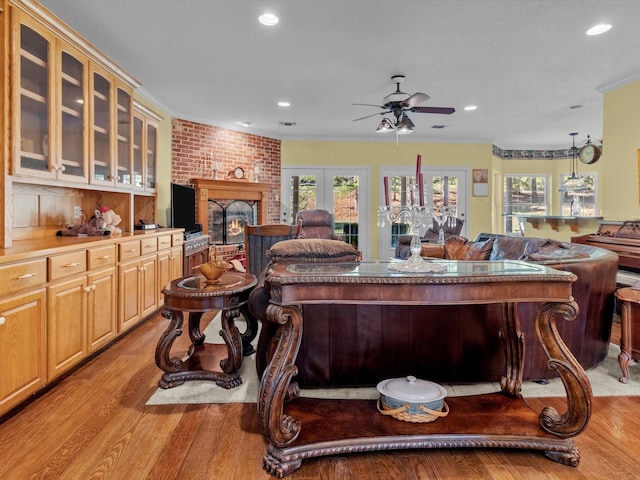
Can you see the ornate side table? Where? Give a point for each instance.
(630, 327)
(202, 361)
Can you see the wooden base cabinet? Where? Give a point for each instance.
(137, 291)
(102, 311)
(67, 325)
(22, 347)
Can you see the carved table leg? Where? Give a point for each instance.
(196, 336)
(513, 340)
(576, 383)
(164, 361)
(231, 337)
(280, 429)
(250, 333)
(625, 336)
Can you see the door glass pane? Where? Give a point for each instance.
(124, 137)
(101, 128)
(345, 207)
(303, 194)
(151, 156)
(34, 100)
(72, 115)
(137, 151)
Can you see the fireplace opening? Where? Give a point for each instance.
(226, 220)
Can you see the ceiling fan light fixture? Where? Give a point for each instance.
(385, 126)
(405, 126)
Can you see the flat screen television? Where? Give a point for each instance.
(183, 208)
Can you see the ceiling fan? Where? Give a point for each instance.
(399, 103)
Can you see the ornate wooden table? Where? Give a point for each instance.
(300, 428)
(630, 327)
(206, 361)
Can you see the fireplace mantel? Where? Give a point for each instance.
(207, 189)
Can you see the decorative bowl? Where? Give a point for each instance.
(411, 399)
(213, 269)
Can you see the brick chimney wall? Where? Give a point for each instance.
(198, 149)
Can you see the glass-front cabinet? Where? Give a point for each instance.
(72, 147)
(145, 148)
(124, 103)
(101, 128)
(50, 86)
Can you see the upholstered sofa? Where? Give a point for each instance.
(461, 343)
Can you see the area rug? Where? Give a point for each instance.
(604, 382)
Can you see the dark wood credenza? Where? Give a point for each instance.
(301, 428)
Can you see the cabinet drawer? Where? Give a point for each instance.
(129, 250)
(164, 241)
(102, 257)
(177, 239)
(149, 245)
(61, 266)
(21, 276)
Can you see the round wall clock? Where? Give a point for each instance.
(589, 154)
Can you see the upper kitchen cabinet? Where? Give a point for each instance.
(73, 108)
(50, 94)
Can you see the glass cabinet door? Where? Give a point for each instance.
(123, 150)
(138, 125)
(72, 150)
(102, 154)
(152, 147)
(33, 82)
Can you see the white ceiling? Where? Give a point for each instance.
(523, 63)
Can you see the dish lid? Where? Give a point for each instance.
(411, 389)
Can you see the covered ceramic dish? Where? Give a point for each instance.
(410, 398)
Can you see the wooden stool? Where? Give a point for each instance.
(630, 327)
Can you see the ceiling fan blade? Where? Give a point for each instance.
(368, 105)
(415, 99)
(372, 115)
(444, 110)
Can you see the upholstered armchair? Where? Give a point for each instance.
(452, 226)
(317, 224)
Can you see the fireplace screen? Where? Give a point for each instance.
(226, 220)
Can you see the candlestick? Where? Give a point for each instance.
(418, 165)
(421, 189)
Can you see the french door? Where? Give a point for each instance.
(442, 187)
(342, 191)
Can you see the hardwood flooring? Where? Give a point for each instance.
(95, 425)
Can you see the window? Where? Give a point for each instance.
(585, 204)
(524, 195)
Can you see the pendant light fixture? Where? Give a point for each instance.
(575, 183)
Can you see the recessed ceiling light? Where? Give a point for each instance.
(284, 104)
(268, 19)
(598, 29)
(244, 124)
(468, 108)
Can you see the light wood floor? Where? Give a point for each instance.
(95, 425)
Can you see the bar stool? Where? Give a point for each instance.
(630, 327)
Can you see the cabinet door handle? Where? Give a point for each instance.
(132, 250)
(2, 320)
(87, 289)
(26, 275)
(104, 257)
(71, 265)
